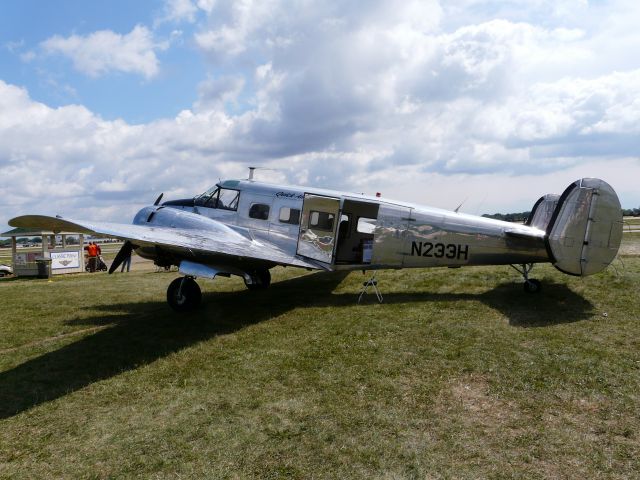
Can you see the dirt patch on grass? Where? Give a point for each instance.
(471, 396)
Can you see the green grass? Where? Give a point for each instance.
(458, 374)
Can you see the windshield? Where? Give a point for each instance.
(216, 197)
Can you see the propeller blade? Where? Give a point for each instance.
(122, 255)
(158, 200)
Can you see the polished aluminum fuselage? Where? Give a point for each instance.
(405, 235)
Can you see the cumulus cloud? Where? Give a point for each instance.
(398, 98)
(215, 93)
(105, 51)
(183, 10)
(498, 95)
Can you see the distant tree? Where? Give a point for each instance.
(522, 216)
(509, 217)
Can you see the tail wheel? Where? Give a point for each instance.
(184, 294)
(261, 279)
(532, 285)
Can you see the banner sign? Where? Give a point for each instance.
(61, 260)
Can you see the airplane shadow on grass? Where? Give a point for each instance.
(148, 331)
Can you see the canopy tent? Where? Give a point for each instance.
(64, 258)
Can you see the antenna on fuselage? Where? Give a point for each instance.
(252, 171)
(459, 206)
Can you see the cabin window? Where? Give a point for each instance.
(259, 211)
(290, 215)
(321, 220)
(366, 225)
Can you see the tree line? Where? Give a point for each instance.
(522, 216)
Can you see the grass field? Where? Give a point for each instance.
(458, 374)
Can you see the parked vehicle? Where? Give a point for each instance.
(5, 270)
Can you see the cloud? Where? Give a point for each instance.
(398, 98)
(493, 96)
(69, 160)
(178, 11)
(105, 51)
(216, 93)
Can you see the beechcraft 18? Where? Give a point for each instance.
(246, 227)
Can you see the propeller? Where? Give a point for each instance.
(122, 255)
(127, 247)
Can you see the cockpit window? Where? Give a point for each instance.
(228, 199)
(223, 198)
(205, 200)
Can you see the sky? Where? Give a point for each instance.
(104, 105)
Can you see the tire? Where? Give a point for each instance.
(532, 286)
(188, 299)
(262, 280)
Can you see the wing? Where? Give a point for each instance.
(204, 240)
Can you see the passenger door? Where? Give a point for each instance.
(317, 237)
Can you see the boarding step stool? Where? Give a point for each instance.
(372, 282)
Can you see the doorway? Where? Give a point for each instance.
(356, 228)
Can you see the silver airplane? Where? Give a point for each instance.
(246, 227)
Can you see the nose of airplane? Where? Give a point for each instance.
(143, 215)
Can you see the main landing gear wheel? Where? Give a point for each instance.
(261, 279)
(532, 285)
(184, 294)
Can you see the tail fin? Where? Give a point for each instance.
(542, 211)
(585, 230)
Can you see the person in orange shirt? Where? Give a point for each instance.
(92, 251)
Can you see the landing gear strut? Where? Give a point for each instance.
(531, 285)
(184, 294)
(261, 279)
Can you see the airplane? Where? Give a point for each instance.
(247, 227)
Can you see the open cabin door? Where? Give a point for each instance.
(318, 225)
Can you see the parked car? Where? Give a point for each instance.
(5, 270)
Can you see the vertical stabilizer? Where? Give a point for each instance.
(585, 231)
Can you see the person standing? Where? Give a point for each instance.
(92, 251)
(126, 262)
